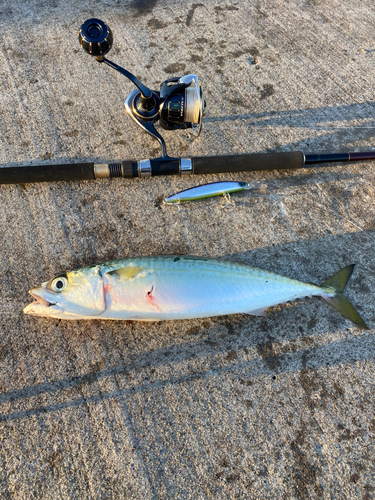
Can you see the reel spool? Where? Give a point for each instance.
(184, 106)
(180, 103)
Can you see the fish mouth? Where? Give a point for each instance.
(41, 300)
(40, 306)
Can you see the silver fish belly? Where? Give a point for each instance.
(185, 288)
(175, 287)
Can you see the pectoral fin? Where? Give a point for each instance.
(126, 273)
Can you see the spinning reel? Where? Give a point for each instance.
(180, 103)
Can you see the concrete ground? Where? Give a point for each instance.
(280, 407)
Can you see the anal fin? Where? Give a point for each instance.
(257, 312)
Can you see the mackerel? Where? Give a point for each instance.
(178, 287)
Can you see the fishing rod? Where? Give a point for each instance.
(179, 104)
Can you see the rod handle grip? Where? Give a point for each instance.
(247, 162)
(47, 173)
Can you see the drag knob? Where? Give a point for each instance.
(95, 38)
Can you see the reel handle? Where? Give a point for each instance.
(96, 38)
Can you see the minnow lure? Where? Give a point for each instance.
(177, 287)
(212, 189)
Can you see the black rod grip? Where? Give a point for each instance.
(247, 162)
(47, 173)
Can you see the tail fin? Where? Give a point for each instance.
(338, 282)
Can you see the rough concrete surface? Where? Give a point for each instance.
(225, 407)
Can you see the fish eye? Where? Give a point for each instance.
(59, 284)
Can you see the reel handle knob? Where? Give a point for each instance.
(96, 38)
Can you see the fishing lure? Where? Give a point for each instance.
(210, 190)
(177, 287)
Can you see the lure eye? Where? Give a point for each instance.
(59, 284)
